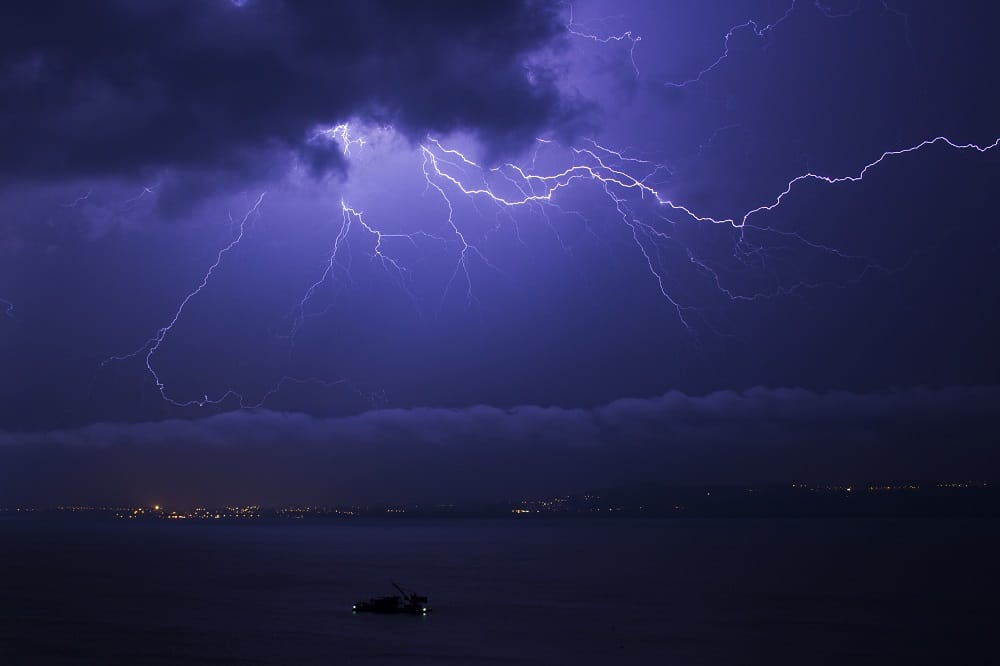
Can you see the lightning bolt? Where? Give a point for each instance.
(647, 213)
(341, 133)
(833, 180)
(761, 31)
(350, 218)
(758, 30)
(148, 350)
(150, 347)
(131, 203)
(331, 265)
(79, 200)
(622, 179)
(124, 206)
(579, 30)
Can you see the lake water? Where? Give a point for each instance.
(829, 591)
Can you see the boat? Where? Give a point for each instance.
(404, 603)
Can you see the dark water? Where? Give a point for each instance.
(845, 591)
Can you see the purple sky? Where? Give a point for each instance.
(484, 249)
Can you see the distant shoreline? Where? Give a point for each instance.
(941, 499)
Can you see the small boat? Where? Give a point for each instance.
(408, 603)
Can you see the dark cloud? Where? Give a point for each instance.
(761, 435)
(118, 87)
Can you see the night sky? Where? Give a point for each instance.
(276, 252)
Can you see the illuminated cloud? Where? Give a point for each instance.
(118, 88)
(488, 453)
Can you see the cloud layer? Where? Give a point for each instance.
(759, 436)
(116, 87)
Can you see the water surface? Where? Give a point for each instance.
(752, 591)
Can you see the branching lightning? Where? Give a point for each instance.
(334, 263)
(342, 133)
(761, 31)
(593, 163)
(648, 215)
(579, 30)
(153, 344)
(622, 179)
(758, 30)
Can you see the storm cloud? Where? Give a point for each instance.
(116, 88)
(123, 114)
(486, 453)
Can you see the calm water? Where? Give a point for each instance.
(844, 591)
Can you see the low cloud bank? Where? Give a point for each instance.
(485, 453)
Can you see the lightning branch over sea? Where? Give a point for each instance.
(638, 196)
(761, 31)
(151, 345)
(335, 265)
(623, 180)
(609, 169)
(584, 32)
